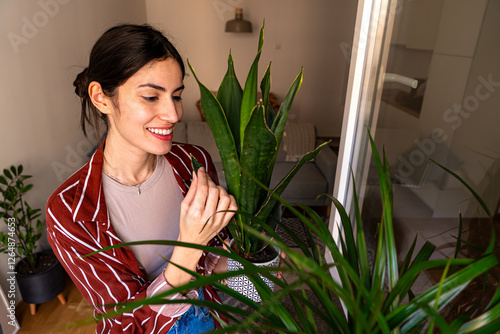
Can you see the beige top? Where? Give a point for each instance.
(151, 215)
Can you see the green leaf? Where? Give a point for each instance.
(265, 87)
(249, 98)
(27, 188)
(19, 169)
(7, 173)
(280, 120)
(195, 165)
(3, 180)
(259, 147)
(451, 286)
(229, 97)
(478, 198)
(13, 170)
(281, 186)
(362, 253)
(224, 139)
(480, 323)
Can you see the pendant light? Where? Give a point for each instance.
(238, 24)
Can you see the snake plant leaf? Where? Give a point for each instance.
(279, 123)
(216, 119)
(229, 97)
(249, 98)
(271, 200)
(259, 147)
(195, 164)
(265, 87)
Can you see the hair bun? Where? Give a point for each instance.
(81, 83)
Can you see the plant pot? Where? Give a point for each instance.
(242, 283)
(43, 286)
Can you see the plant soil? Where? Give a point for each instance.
(43, 262)
(266, 255)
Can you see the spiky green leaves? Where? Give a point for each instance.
(248, 133)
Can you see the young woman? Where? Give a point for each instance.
(138, 186)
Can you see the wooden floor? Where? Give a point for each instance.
(53, 317)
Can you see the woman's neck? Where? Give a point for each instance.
(126, 166)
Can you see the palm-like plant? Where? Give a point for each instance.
(248, 133)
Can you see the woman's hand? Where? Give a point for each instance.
(200, 221)
(202, 210)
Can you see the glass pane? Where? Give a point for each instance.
(440, 100)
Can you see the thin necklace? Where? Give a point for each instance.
(127, 184)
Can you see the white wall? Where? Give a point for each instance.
(297, 33)
(44, 45)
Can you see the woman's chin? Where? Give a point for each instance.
(161, 149)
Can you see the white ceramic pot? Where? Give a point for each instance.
(242, 283)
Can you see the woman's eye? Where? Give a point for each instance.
(150, 98)
(177, 98)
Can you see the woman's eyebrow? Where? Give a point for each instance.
(160, 88)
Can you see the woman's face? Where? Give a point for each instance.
(148, 106)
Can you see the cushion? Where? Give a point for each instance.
(298, 139)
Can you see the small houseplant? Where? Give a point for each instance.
(39, 274)
(248, 133)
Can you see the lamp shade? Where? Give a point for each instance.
(238, 24)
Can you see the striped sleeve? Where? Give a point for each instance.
(104, 279)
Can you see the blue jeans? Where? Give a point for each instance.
(197, 319)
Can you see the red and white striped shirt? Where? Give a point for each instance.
(78, 224)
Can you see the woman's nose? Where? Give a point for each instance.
(170, 112)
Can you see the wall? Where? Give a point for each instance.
(44, 45)
(313, 34)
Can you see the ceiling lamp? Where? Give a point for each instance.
(238, 24)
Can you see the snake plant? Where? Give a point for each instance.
(248, 133)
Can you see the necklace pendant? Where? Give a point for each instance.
(139, 190)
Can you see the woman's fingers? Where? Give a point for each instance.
(192, 190)
(201, 211)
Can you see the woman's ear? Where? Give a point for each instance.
(99, 99)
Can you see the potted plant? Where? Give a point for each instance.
(39, 275)
(367, 296)
(248, 133)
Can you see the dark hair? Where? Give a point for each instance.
(116, 56)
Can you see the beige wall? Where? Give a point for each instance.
(297, 33)
(44, 45)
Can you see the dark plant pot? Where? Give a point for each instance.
(44, 286)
